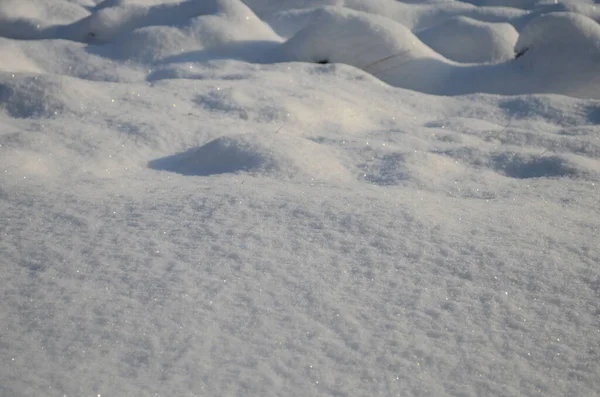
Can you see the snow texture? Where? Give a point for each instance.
(299, 198)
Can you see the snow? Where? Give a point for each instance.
(391, 52)
(296, 198)
(467, 40)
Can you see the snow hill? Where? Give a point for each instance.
(299, 198)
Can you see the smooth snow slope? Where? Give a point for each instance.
(191, 205)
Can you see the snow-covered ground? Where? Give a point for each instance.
(299, 198)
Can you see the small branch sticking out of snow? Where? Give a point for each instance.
(366, 68)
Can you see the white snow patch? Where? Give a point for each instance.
(190, 205)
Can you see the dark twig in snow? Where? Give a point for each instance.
(385, 59)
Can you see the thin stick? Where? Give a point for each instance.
(386, 59)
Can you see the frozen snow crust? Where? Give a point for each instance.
(298, 198)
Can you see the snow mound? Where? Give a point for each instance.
(220, 156)
(355, 38)
(107, 23)
(373, 43)
(229, 18)
(147, 44)
(465, 49)
(155, 39)
(464, 39)
(560, 53)
(269, 154)
(568, 30)
(557, 53)
(31, 19)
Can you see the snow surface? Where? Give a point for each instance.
(299, 198)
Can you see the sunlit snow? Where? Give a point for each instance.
(299, 198)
